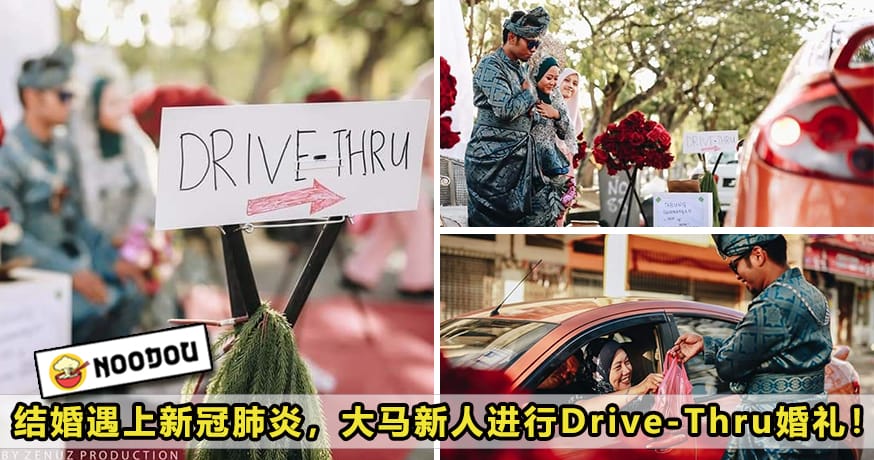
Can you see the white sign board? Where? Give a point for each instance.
(35, 312)
(682, 210)
(710, 142)
(612, 193)
(226, 165)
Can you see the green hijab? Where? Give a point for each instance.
(109, 141)
(547, 63)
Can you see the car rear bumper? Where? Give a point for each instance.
(767, 196)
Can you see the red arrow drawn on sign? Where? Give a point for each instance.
(318, 196)
(711, 148)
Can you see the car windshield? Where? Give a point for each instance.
(487, 343)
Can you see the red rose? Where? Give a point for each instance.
(448, 90)
(5, 218)
(146, 107)
(660, 136)
(325, 95)
(448, 138)
(636, 118)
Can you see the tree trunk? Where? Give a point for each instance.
(362, 84)
(270, 71)
(209, 52)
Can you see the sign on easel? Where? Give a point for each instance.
(238, 164)
(682, 209)
(612, 192)
(710, 142)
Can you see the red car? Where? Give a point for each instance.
(528, 341)
(809, 158)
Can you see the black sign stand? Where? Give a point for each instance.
(243, 291)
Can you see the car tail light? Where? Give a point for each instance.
(814, 133)
(785, 131)
(833, 128)
(857, 387)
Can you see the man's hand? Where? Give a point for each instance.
(525, 84)
(128, 271)
(90, 286)
(687, 346)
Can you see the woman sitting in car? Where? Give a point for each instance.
(606, 370)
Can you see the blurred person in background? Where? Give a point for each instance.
(39, 182)
(30, 28)
(118, 173)
(117, 162)
(413, 230)
(573, 147)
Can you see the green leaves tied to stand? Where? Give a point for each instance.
(264, 360)
(707, 184)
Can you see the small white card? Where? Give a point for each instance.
(682, 209)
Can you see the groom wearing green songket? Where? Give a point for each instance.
(781, 346)
(499, 164)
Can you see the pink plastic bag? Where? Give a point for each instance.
(675, 389)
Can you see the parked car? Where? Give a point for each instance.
(808, 159)
(528, 341)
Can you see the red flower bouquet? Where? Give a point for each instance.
(448, 92)
(633, 143)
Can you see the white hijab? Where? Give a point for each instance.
(573, 104)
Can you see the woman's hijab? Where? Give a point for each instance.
(595, 368)
(108, 141)
(573, 104)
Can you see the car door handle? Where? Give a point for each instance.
(664, 445)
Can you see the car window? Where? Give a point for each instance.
(641, 343)
(811, 58)
(487, 343)
(703, 376)
(864, 55)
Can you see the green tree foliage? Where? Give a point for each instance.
(274, 50)
(715, 61)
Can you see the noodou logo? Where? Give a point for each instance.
(151, 357)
